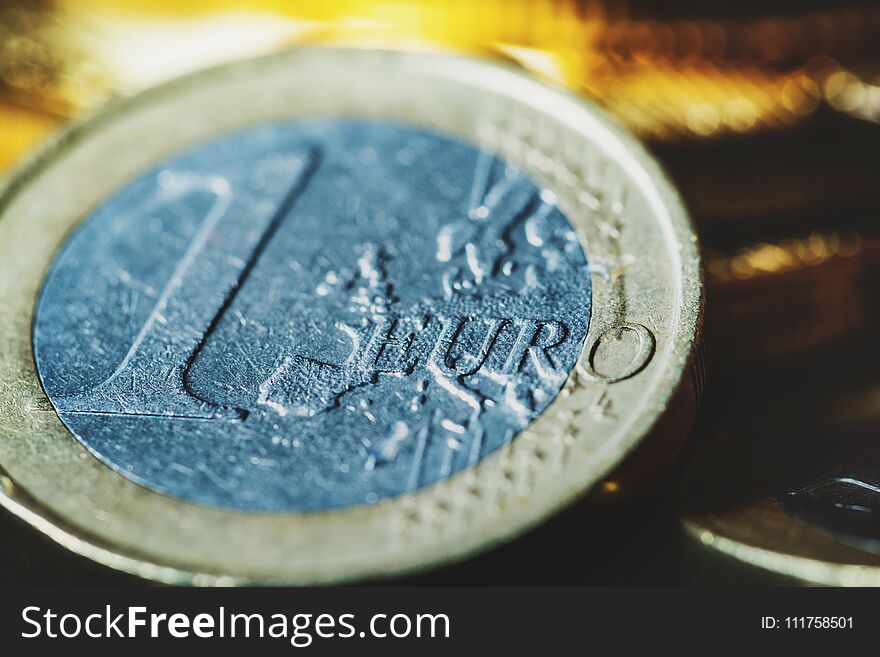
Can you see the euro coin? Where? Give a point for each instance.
(792, 487)
(334, 314)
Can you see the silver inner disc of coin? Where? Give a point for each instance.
(312, 314)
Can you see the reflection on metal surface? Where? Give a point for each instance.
(847, 507)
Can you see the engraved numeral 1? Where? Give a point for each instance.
(152, 377)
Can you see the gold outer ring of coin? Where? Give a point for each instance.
(763, 535)
(636, 370)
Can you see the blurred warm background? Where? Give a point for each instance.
(682, 72)
(667, 69)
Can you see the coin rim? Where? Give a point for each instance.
(713, 533)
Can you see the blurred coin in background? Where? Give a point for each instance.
(784, 478)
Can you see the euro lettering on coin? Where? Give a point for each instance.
(334, 314)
